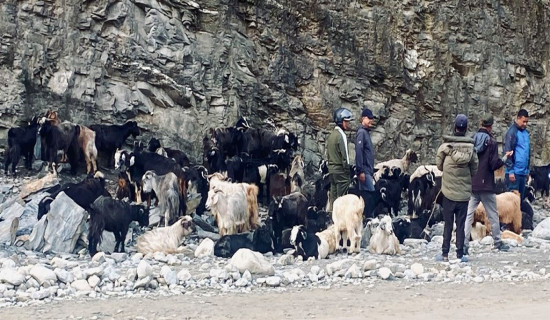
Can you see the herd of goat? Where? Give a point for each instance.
(244, 166)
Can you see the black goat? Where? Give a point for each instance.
(305, 244)
(179, 156)
(21, 141)
(287, 212)
(259, 240)
(63, 136)
(114, 216)
(109, 138)
(83, 193)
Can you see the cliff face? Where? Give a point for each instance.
(179, 67)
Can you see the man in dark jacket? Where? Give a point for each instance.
(483, 182)
(458, 161)
(517, 166)
(364, 162)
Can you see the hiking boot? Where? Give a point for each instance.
(463, 259)
(442, 258)
(466, 250)
(501, 246)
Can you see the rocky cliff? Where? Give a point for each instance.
(179, 67)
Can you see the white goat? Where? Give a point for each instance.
(165, 239)
(347, 214)
(403, 163)
(328, 242)
(217, 181)
(229, 210)
(384, 241)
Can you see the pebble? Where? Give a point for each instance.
(144, 269)
(273, 281)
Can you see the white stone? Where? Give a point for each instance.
(81, 285)
(255, 262)
(11, 276)
(142, 283)
(93, 281)
(415, 243)
(184, 275)
(369, 265)
(219, 273)
(542, 230)
(315, 270)
(488, 240)
(8, 263)
(205, 249)
(99, 257)
(41, 294)
(98, 271)
(354, 272)
(417, 268)
(43, 274)
(144, 269)
(478, 279)
(337, 265)
(437, 240)
(286, 259)
(385, 273)
(57, 262)
(64, 275)
(242, 282)
(273, 281)
(119, 256)
(160, 256)
(293, 275)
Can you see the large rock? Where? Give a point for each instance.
(254, 262)
(542, 230)
(36, 239)
(66, 221)
(43, 274)
(9, 214)
(47, 181)
(11, 276)
(205, 248)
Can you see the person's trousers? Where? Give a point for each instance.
(339, 185)
(518, 185)
(454, 211)
(489, 201)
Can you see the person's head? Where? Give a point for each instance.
(487, 121)
(461, 124)
(342, 118)
(522, 119)
(367, 118)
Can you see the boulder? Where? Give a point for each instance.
(66, 221)
(9, 214)
(48, 181)
(11, 276)
(205, 248)
(254, 262)
(542, 230)
(43, 274)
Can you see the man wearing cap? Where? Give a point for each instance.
(517, 166)
(338, 156)
(458, 161)
(483, 182)
(364, 161)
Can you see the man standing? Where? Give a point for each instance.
(364, 161)
(458, 161)
(483, 182)
(517, 166)
(338, 157)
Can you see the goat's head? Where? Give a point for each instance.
(411, 156)
(141, 214)
(133, 127)
(186, 223)
(153, 144)
(148, 180)
(297, 235)
(386, 224)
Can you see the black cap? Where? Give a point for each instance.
(367, 113)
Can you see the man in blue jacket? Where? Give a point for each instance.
(517, 166)
(364, 161)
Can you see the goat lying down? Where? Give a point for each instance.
(165, 239)
(308, 245)
(383, 240)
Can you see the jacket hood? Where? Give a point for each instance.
(447, 138)
(481, 140)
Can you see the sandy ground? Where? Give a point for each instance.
(386, 300)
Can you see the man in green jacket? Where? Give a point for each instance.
(338, 156)
(458, 161)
